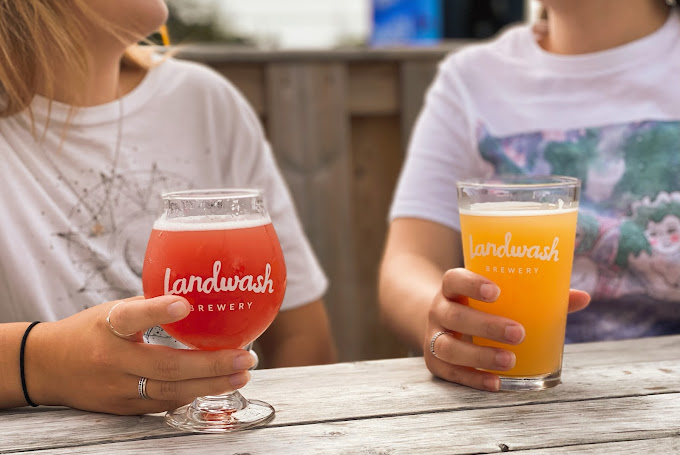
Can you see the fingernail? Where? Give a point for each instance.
(177, 309)
(243, 361)
(239, 379)
(514, 333)
(505, 359)
(492, 384)
(489, 292)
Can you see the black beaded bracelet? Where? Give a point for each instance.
(21, 363)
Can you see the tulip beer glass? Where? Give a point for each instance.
(219, 250)
(519, 232)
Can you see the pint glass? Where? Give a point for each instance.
(519, 232)
(219, 250)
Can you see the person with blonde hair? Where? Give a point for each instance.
(93, 128)
(590, 93)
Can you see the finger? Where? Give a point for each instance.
(460, 282)
(185, 391)
(168, 364)
(139, 314)
(469, 321)
(457, 352)
(470, 377)
(578, 300)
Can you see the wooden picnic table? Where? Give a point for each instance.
(616, 397)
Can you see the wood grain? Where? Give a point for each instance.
(644, 379)
(373, 88)
(376, 166)
(516, 428)
(416, 77)
(309, 130)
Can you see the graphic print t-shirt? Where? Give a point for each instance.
(610, 118)
(79, 211)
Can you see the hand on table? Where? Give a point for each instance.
(457, 358)
(79, 362)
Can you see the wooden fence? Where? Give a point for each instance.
(338, 122)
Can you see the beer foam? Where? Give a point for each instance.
(210, 223)
(517, 208)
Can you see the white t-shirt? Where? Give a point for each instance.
(611, 118)
(77, 215)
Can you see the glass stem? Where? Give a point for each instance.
(219, 404)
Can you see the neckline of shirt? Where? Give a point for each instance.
(60, 113)
(614, 59)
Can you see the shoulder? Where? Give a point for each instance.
(512, 46)
(191, 80)
(187, 71)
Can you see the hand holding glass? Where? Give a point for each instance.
(219, 250)
(519, 232)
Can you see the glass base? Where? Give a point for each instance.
(220, 414)
(542, 382)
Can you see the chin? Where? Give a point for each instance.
(156, 14)
(139, 18)
(148, 17)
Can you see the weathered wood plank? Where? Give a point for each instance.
(364, 390)
(376, 162)
(631, 361)
(468, 431)
(71, 428)
(642, 446)
(624, 351)
(219, 54)
(416, 77)
(373, 88)
(250, 80)
(309, 129)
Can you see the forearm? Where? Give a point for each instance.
(300, 351)
(408, 285)
(11, 394)
(298, 337)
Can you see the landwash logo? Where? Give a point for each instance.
(508, 250)
(216, 283)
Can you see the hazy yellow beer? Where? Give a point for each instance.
(519, 232)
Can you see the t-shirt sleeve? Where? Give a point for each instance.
(441, 151)
(250, 163)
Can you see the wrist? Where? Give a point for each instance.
(38, 360)
(22, 363)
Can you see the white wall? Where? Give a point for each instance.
(300, 23)
(306, 23)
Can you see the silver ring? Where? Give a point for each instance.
(108, 321)
(141, 388)
(434, 338)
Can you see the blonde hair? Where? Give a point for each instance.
(34, 33)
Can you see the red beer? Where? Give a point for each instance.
(231, 271)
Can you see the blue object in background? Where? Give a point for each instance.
(406, 22)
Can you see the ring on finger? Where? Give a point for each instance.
(432, 341)
(141, 388)
(108, 321)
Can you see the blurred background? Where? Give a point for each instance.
(303, 24)
(338, 85)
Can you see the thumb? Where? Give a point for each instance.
(132, 316)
